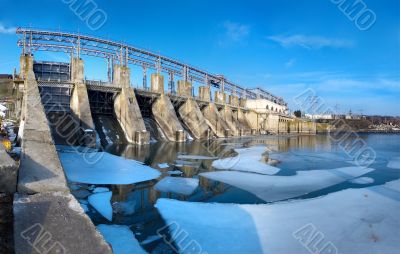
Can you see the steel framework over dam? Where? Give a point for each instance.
(76, 44)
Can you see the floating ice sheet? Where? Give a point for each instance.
(362, 180)
(104, 168)
(178, 185)
(394, 163)
(102, 203)
(247, 160)
(195, 157)
(121, 239)
(163, 165)
(349, 221)
(274, 188)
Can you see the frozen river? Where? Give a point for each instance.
(297, 194)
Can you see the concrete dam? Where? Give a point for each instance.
(59, 106)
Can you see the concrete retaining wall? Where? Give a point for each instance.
(54, 223)
(194, 119)
(8, 172)
(164, 114)
(40, 168)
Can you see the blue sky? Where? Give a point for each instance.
(283, 46)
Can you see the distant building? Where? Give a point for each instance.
(6, 76)
(266, 106)
(320, 116)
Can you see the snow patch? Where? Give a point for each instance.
(100, 189)
(163, 165)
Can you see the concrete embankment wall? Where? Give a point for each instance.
(127, 111)
(164, 114)
(40, 168)
(192, 117)
(47, 218)
(8, 172)
(215, 121)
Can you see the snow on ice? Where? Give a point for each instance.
(349, 221)
(362, 180)
(121, 239)
(247, 160)
(275, 188)
(394, 163)
(102, 203)
(105, 169)
(178, 185)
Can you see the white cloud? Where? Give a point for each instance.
(310, 42)
(236, 31)
(7, 30)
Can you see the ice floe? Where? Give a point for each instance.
(163, 165)
(247, 160)
(151, 239)
(178, 185)
(106, 169)
(274, 188)
(102, 203)
(121, 239)
(195, 157)
(362, 180)
(175, 172)
(349, 221)
(100, 189)
(394, 163)
(129, 206)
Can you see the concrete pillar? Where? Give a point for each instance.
(220, 97)
(77, 70)
(228, 116)
(157, 83)
(233, 100)
(215, 121)
(184, 88)
(164, 114)
(79, 104)
(191, 115)
(26, 67)
(204, 93)
(127, 112)
(242, 102)
(121, 76)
